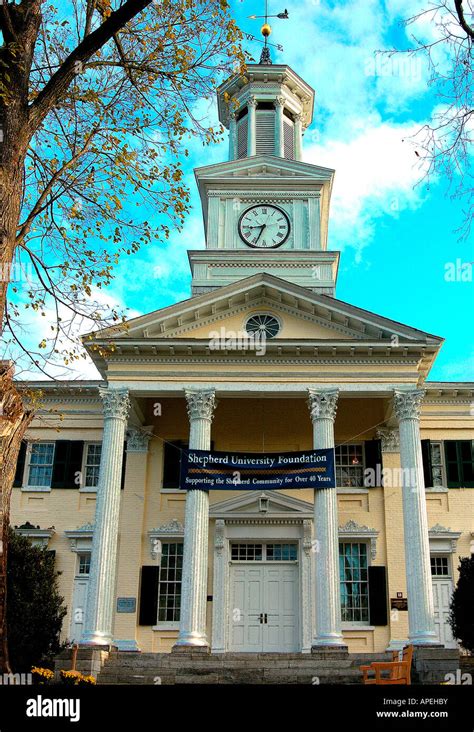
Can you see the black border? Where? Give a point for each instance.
(270, 205)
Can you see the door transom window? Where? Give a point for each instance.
(268, 552)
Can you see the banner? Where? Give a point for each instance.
(209, 470)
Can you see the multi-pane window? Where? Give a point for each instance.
(84, 563)
(282, 552)
(270, 552)
(437, 464)
(40, 466)
(353, 568)
(247, 552)
(349, 466)
(440, 567)
(169, 592)
(92, 465)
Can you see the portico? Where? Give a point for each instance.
(286, 518)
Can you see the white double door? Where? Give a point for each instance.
(264, 607)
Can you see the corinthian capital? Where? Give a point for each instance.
(408, 403)
(138, 439)
(390, 439)
(323, 403)
(201, 404)
(115, 402)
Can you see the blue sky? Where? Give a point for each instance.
(396, 238)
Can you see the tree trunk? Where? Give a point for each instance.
(14, 421)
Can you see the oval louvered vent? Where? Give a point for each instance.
(265, 132)
(263, 324)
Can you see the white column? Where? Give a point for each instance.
(252, 127)
(298, 137)
(279, 140)
(323, 406)
(415, 521)
(232, 136)
(192, 627)
(101, 591)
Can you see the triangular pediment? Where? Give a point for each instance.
(264, 166)
(305, 316)
(276, 504)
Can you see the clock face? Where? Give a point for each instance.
(264, 227)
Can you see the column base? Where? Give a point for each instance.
(397, 644)
(425, 641)
(96, 638)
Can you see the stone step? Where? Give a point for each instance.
(229, 677)
(220, 664)
(233, 668)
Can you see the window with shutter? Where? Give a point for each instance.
(288, 139)
(265, 132)
(242, 132)
(41, 460)
(354, 581)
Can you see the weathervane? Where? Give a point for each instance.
(266, 30)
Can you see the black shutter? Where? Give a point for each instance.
(67, 463)
(459, 456)
(453, 467)
(427, 467)
(373, 458)
(172, 462)
(148, 612)
(20, 466)
(466, 454)
(61, 460)
(124, 466)
(74, 465)
(377, 596)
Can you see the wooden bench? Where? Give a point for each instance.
(399, 669)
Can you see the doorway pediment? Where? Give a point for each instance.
(262, 504)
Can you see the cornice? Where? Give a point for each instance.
(262, 195)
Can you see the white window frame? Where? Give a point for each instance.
(26, 472)
(336, 467)
(443, 487)
(349, 624)
(83, 488)
(82, 553)
(168, 624)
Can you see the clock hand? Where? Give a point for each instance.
(261, 232)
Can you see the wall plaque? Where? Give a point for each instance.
(398, 603)
(126, 604)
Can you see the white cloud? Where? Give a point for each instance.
(376, 174)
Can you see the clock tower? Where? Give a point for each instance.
(265, 209)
